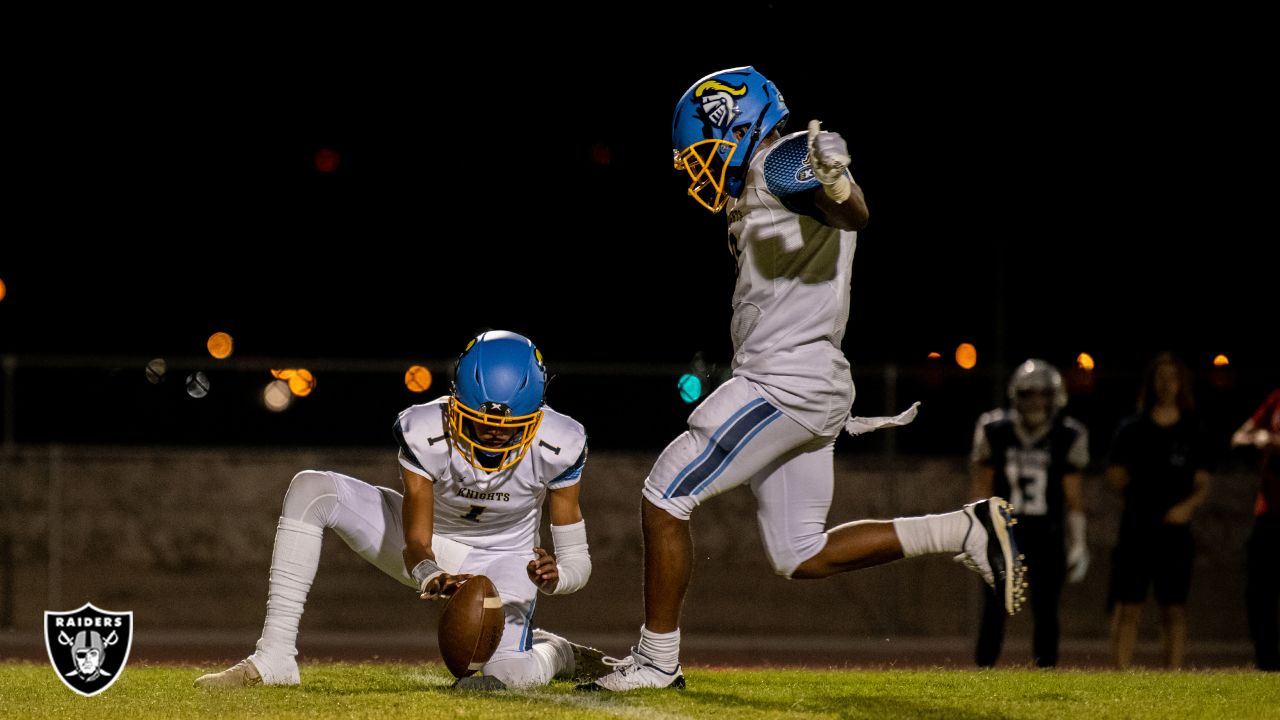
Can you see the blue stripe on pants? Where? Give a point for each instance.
(715, 438)
(526, 639)
(712, 462)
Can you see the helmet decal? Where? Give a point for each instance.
(717, 102)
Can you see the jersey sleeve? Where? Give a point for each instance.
(1262, 416)
(422, 440)
(560, 450)
(981, 452)
(572, 474)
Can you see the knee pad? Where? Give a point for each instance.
(785, 557)
(311, 498)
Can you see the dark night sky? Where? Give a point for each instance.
(1103, 182)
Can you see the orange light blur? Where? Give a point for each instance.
(417, 379)
(302, 382)
(966, 356)
(219, 345)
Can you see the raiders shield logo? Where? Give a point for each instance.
(88, 647)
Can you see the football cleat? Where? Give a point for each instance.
(588, 662)
(482, 683)
(999, 562)
(635, 672)
(242, 674)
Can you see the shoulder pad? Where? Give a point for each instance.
(786, 166)
(423, 438)
(559, 450)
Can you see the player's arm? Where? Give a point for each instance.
(1077, 543)
(1244, 435)
(1117, 477)
(419, 559)
(1181, 513)
(851, 214)
(1250, 434)
(839, 198)
(982, 474)
(568, 569)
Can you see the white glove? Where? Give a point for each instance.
(829, 157)
(1077, 548)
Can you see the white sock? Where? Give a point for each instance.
(932, 533)
(293, 567)
(662, 649)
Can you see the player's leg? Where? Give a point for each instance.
(1130, 579)
(1262, 591)
(732, 435)
(794, 495)
(367, 518)
(1045, 550)
(1172, 585)
(990, 629)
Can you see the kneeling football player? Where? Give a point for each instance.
(476, 465)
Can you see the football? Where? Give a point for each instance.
(470, 626)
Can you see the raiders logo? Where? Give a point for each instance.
(88, 647)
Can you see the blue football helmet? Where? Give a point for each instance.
(718, 126)
(496, 405)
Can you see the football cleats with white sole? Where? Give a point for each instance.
(635, 672)
(991, 551)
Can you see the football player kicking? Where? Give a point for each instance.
(476, 466)
(793, 213)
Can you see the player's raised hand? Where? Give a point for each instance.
(543, 571)
(829, 157)
(442, 586)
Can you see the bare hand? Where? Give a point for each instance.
(542, 570)
(443, 586)
(1179, 514)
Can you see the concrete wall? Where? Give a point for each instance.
(183, 538)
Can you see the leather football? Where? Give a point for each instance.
(470, 626)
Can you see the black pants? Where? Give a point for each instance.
(1046, 563)
(1262, 593)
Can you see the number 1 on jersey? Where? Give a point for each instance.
(474, 515)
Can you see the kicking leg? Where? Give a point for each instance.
(794, 493)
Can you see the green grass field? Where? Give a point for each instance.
(342, 690)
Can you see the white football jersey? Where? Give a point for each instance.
(791, 302)
(498, 510)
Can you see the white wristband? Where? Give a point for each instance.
(573, 561)
(424, 572)
(840, 189)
